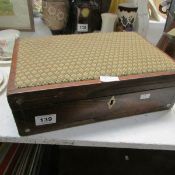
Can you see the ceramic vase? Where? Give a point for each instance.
(55, 13)
(167, 43)
(108, 21)
(127, 13)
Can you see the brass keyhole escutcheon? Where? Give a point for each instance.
(111, 102)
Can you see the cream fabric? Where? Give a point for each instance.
(72, 58)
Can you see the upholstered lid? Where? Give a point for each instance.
(71, 58)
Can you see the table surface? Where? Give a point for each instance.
(147, 131)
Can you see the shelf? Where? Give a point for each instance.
(148, 131)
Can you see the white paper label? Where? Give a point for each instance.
(82, 27)
(45, 119)
(108, 79)
(145, 96)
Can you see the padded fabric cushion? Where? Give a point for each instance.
(71, 58)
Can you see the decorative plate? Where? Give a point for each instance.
(5, 63)
(1, 78)
(4, 82)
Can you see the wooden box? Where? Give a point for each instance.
(62, 81)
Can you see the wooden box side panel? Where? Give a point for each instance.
(29, 99)
(93, 110)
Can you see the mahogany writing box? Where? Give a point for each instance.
(55, 81)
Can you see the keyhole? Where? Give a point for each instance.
(112, 102)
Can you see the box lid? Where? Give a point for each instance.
(64, 68)
(73, 58)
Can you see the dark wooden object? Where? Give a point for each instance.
(170, 22)
(88, 101)
(167, 44)
(112, 161)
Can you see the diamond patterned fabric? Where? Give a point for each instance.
(72, 58)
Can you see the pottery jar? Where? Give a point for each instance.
(127, 13)
(55, 13)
